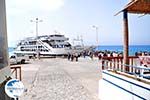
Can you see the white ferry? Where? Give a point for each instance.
(46, 45)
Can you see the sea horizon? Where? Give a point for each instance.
(117, 48)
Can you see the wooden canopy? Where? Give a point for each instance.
(138, 6)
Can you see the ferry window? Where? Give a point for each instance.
(18, 54)
(51, 40)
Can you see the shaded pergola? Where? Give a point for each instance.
(135, 7)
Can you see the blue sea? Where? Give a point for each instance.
(10, 49)
(132, 48)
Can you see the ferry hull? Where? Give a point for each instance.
(53, 52)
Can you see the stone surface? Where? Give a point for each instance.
(60, 79)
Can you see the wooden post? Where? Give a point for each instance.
(103, 62)
(126, 40)
(20, 74)
(4, 69)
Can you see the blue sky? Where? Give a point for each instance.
(75, 18)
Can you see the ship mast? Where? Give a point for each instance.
(36, 26)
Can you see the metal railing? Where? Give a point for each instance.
(16, 70)
(116, 64)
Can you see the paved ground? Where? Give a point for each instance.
(60, 79)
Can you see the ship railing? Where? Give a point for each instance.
(41, 43)
(16, 71)
(116, 64)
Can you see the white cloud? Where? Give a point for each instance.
(24, 6)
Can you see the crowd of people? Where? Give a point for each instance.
(107, 53)
(144, 53)
(72, 56)
(100, 54)
(76, 55)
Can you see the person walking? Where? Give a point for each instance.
(91, 55)
(72, 57)
(69, 56)
(76, 56)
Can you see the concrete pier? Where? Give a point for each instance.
(60, 79)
